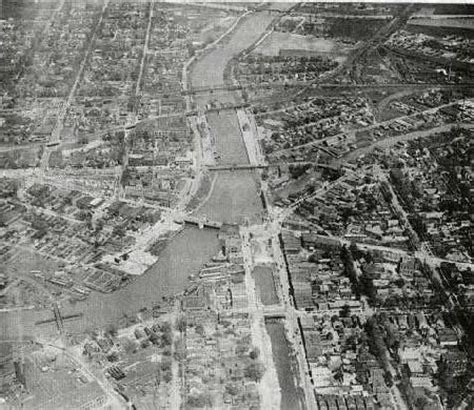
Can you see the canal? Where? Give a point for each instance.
(285, 365)
(265, 284)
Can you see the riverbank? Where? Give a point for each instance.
(234, 198)
(184, 255)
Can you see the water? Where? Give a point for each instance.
(290, 398)
(234, 199)
(185, 254)
(209, 70)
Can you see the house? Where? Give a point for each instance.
(193, 302)
(447, 337)
(415, 368)
(455, 362)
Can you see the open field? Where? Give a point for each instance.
(308, 45)
(216, 28)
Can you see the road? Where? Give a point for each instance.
(56, 134)
(176, 385)
(376, 39)
(114, 400)
(398, 208)
(291, 323)
(270, 395)
(145, 48)
(264, 234)
(371, 127)
(278, 216)
(224, 6)
(132, 119)
(390, 141)
(210, 71)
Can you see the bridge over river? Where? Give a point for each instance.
(234, 198)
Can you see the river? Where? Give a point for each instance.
(235, 195)
(234, 198)
(186, 253)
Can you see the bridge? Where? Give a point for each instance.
(316, 84)
(200, 222)
(210, 90)
(230, 107)
(58, 318)
(274, 312)
(237, 167)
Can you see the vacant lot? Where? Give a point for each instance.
(308, 45)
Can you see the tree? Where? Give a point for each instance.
(375, 341)
(113, 357)
(166, 327)
(255, 371)
(144, 343)
(40, 225)
(166, 339)
(167, 377)
(154, 338)
(356, 252)
(254, 353)
(232, 389)
(399, 282)
(297, 170)
(200, 400)
(421, 402)
(367, 285)
(181, 324)
(345, 311)
(179, 350)
(165, 364)
(99, 225)
(129, 346)
(111, 330)
(200, 329)
(241, 350)
(119, 231)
